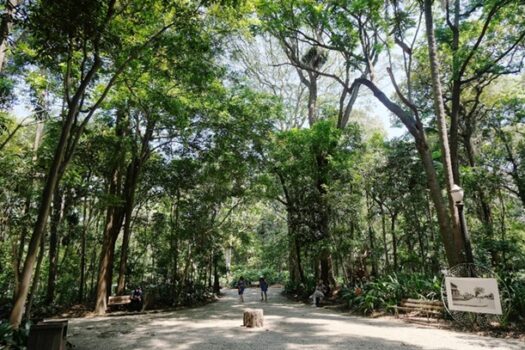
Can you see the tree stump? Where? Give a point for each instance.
(253, 318)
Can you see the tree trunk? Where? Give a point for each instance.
(104, 279)
(210, 270)
(51, 182)
(19, 253)
(419, 230)
(54, 226)
(132, 177)
(417, 130)
(383, 231)
(443, 136)
(114, 218)
(175, 248)
(82, 281)
(370, 230)
(327, 271)
(294, 261)
(121, 285)
(456, 95)
(5, 28)
(393, 217)
(92, 269)
(312, 100)
(87, 215)
(326, 263)
(441, 209)
(36, 279)
(294, 250)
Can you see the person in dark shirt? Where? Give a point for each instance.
(241, 285)
(137, 299)
(264, 288)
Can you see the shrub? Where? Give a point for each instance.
(14, 339)
(389, 290)
(515, 300)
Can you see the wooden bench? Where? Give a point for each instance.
(429, 308)
(49, 335)
(116, 301)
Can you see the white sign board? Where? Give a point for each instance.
(479, 295)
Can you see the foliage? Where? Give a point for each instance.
(389, 290)
(515, 283)
(14, 339)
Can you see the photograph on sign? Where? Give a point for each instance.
(479, 295)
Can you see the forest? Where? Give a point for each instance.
(178, 145)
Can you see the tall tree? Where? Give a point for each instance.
(82, 40)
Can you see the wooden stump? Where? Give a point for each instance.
(253, 318)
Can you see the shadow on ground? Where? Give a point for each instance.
(288, 325)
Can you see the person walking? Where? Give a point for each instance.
(264, 288)
(241, 285)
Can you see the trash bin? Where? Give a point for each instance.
(48, 335)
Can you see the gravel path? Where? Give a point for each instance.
(288, 325)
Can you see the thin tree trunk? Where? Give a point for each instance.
(419, 229)
(132, 177)
(383, 231)
(175, 248)
(121, 284)
(56, 218)
(5, 28)
(503, 228)
(312, 100)
(216, 283)
(104, 279)
(92, 269)
(441, 209)
(371, 238)
(456, 95)
(394, 238)
(210, 270)
(19, 253)
(36, 279)
(442, 127)
(323, 224)
(114, 217)
(87, 216)
(51, 182)
(294, 251)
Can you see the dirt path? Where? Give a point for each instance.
(288, 325)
